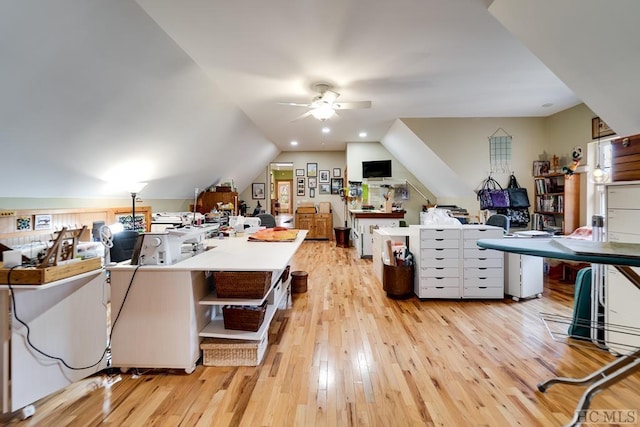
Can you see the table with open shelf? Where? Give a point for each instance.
(169, 309)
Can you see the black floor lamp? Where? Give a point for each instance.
(134, 189)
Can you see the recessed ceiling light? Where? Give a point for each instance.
(362, 134)
(326, 130)
(547, 105)
(294, 142)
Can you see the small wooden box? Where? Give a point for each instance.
(40, 276)
(306, 208)
(228, 352)
(239, 318)
(324, 207)
(242, 284)
(625, 158)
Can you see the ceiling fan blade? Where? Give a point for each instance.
(295, 104)
(307, 114)
(352, 105)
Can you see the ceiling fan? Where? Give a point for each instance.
(323, 106)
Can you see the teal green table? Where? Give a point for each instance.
(621, 255)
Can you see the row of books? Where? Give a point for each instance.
(547, 203)
(549, 185)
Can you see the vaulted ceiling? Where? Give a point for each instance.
(183, 94)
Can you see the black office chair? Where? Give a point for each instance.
(499, 220)
(267, 220)
(123, 244)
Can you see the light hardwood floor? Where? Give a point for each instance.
(346, 355)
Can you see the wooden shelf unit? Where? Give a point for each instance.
(320, 225)
(558, 195)
(208, 201)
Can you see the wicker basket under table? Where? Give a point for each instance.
(242, 284)
(229, 352)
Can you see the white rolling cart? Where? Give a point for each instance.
(524, 276)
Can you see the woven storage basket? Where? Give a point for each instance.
(226, 352)
(240, 318)
(242, 284)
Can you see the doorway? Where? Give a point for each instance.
(283, 194)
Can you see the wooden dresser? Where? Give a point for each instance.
(319, 222)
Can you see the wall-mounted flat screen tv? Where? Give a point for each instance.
(376, 169)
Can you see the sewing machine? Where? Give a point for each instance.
(167, 247)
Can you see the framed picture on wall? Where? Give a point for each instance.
(299, 172)
(313, 182)
(325, 188)
(43, 222)
(337, 172)
(600, 129)
(23, 223)
(257, 191)
(300, 186)
(323, 177)
(336, 185)
(312, 170)
(312, 192)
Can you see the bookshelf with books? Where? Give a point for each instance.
(557, 202)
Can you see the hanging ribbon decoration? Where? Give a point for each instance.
(500, 152)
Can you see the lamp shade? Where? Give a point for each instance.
(135, 187)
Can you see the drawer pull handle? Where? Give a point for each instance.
(439, 259)
(482, 259)
(439, 287)
(482, 287)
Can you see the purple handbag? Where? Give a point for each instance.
(492, 196)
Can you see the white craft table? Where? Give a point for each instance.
(169, 308)
(67, 319)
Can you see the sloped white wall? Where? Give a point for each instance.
(96, 92)
(591, 45)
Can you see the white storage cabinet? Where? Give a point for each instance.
(483, 274)
(449, 264)
(523, 275)
(621, 308)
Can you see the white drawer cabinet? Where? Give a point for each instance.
(449, 263)
(621, 296)
(483, 269)
(437, 254)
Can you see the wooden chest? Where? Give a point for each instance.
(625, 158)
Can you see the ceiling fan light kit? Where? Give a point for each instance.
(323, 112)
(324, 105)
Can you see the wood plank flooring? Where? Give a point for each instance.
(345, 354)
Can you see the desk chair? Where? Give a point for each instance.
(499, 220)
(267, 220)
